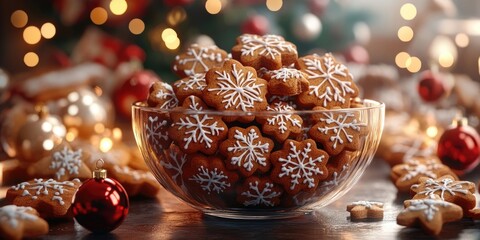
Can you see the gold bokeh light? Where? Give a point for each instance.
(408, 11)
(274, 5)
(99, 15)
(213, 6)
(118, 7)
(32, 35)
(19, 18)
(31, 59)
(48, 30)
(415, 65)
(401, 59)
(136, 26)
(462, 40)
(405, 33)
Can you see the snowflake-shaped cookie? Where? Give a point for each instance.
(162, 96)
(268, 51)
(365, 210)
(50, 198)
(331, 83)
(338, 171)
(236, 88)
(247, 150)
(448, 189)
(156, 131)
(283, 124)
(198, 59)
(286, 81)
(207, 180)
(65, 163)
(193, 131)
(429, 213)
(407, 174)
(259, 192)
(338, 130)
(191, 85)
(299, 166)
(21, 222)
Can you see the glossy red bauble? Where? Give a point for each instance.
(431, 86)
(100, 205)
(256, 24)
(459, 148)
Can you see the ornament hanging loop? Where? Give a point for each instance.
(99, 172)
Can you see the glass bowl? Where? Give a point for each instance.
(297, 176)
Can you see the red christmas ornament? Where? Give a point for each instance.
(100, 204)
(431, 86)
(132, 90)
(459, 147)
(318, 7)
(256, 24)
(357, 54)
(132, 52)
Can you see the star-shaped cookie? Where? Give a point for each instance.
(365, 210)
(21, 222)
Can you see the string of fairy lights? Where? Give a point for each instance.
(165, 36)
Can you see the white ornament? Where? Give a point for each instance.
(251, 150)
(66, 160)
(211, 180)
(257, 197)
(307, 27)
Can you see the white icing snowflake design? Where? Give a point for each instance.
(197, 56)
(40, 187)
(445, 185)
(329, 75)
(156, 133)
(66, 160)
(193, 82)
(239, 89)
(300, 165)
(168, 95)
(413, 150)
(338, 177)
(429, 207)
(211, 181)
(12, 214)
(267, 45)
(281, 120)
(416, 168)
(286, 73)
(175, 164)
(260, 197)
(367, 204)
(342, 122)
(251, 150)
(198, 127)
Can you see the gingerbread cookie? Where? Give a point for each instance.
(191, 85)
(64, 163)
(246, 150)
(208, 181)
(331, 83)
(338, 171)
(268, 51)
(299, 166)
(50, 198)
(361, 210)
(448, 189)
(473, 214)
(286, 81)
(196, 132)
(281, 125)
(259, 193)
(407, 174)
(338, 130)
(21, 222)
(236, 88)
(162, 96)
(430, 214)
(198, 59)
(136, 182)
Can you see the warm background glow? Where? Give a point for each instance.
(48, 30)
(99, 15)
(274, 5)
(19, 19)
(118, 7)
(32, 35)
(31, 59)
(408, 11)
(213, 6)
(405, 34)
(136, 26)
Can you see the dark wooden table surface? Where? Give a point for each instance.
(167, 218)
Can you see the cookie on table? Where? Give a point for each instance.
(331, 84)
(208, 181)
(234, 87)
(52, 199)
(246, 150)
(286, 81)
(198, 59)
(338, 130)
(281, 125)
(259, 193)
(136, 182)
(161, 95)
(429, 214)
(64, 163)
(448, 189)
(407, 174)
(268, 51)
(190, 85)
(400, 148)
(196, 132)
(362, 210)
(299, 166)
(21, 222)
